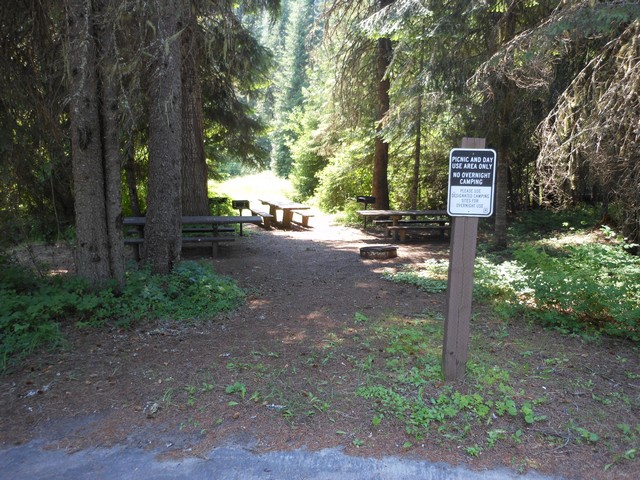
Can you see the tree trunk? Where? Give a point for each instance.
(194, 166)
(164, 203)
(415, 187)
(92, 250)
(110, 143)
(381, 153)
(502, 188)
(504, 104)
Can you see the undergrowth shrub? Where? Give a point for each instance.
(586, 288)
(592, 287)
(32, 309)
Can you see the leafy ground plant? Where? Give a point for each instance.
(32, 309)
(579, 287)
(516, 393)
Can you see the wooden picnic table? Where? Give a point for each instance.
(420, 220)
(288, 208)
(214, 220)
(193, 228)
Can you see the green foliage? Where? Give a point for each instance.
(347, 175)
(586, 287)
(537, 224)
(414, 394)
(308, 162)
(32, 310)
(430, 278)
(237, 388)
(589, 288)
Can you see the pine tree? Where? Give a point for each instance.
(291, 81)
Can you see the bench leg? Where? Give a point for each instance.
(214, 249)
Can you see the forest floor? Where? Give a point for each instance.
(283, 370)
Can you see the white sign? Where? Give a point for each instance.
(472, 178)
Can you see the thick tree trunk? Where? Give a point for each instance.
(92, 250)
(381, 154)
(504, 113)
(164, 202)
(504, 104)
(111, 143)
(194, 166)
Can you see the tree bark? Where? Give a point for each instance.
(164, 204)
(92, 249)
(110, 142)
(502, 188)
(415, 187)
(504, 104)
(381, 152)
(194, 166)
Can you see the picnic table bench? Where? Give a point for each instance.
(305, 215)
(267, 218)
(418, 220)
(210, 229)
(400, 231)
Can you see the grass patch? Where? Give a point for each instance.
(413, 392)
(587, 289)
(430, 278)
(33, 309)
(511, 395)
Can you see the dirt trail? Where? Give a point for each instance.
(302, 285)
(172, 390)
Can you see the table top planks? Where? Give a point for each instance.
(207, 220)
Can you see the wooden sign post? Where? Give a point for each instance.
(471, 184)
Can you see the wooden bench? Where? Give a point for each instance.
(267, 218)
(305, 215)
(137, 241)
(401, 230)
(208, 229)
(414, 222)
(213, 240)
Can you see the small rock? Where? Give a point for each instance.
(151, 409)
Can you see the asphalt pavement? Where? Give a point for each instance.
(37, 460)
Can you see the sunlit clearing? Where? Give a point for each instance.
(252, 187)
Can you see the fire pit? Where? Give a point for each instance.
(380, 252)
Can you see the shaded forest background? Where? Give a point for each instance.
(113, 107)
